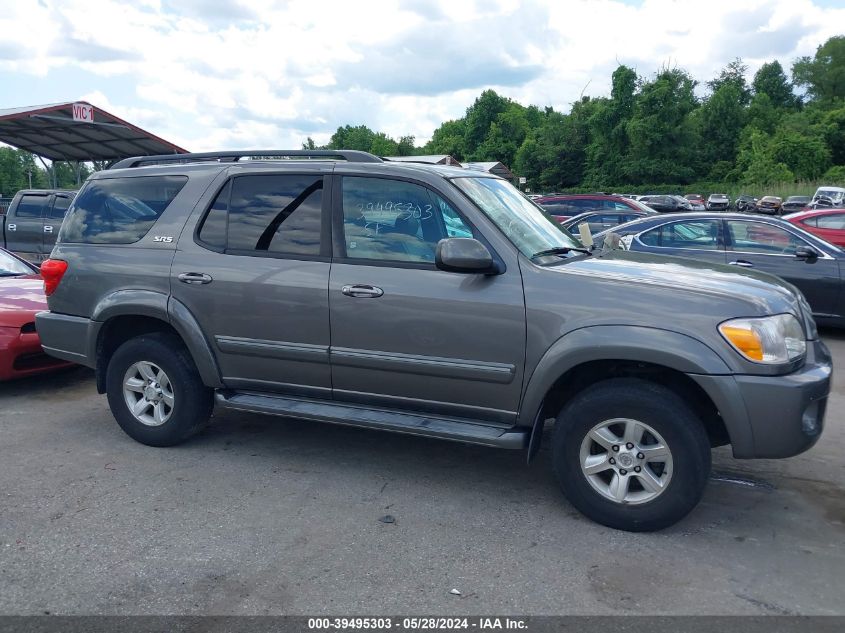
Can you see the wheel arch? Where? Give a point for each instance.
(589, 355)
(130, 313)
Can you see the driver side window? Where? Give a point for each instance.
(394, 220)
(759, 237)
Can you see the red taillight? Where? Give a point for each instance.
(52, 271)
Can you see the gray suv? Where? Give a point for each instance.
(428, 300)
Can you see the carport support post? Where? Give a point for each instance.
(51, 171)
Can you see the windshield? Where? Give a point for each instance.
(830, 193)
(524, 223)
(11, 266)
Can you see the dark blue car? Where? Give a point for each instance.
(761, 243)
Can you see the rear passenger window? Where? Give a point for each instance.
(702, 234)
(60, 205)
(836, 221)
(119, 210)
(213, 230)
(275, 214)
(31, 206)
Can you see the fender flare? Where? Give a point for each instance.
(611, 342)
(160, 306)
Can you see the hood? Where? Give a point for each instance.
(767, 293)
(20, 299)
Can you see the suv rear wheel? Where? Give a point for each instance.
(631, 455)
(155, 392)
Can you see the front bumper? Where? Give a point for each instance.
(774, 416)
(21, 355)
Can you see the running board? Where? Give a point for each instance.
(382, 419)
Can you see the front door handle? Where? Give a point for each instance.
(48, 229)
(362, 290)
(742, 263)
(195, 278)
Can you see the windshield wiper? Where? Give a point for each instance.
(561, 250)
(6, 273)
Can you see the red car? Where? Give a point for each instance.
(828, 224)
(21, 296)
(563, 207)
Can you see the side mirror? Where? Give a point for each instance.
(806, 253)
(464, 255)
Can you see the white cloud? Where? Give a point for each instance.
(263, 73)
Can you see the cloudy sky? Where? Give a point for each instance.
(209, 74)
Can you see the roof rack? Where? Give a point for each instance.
(352, 156)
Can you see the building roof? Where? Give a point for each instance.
(434, 159)
(77, 131)
(493, 167)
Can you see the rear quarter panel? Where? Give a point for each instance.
(96, 271)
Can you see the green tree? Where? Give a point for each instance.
(448, 139)
(504, 136)
(405, 146)
(733, 74)
(608, 126)
(835, 174)
(552, 156)
(807, 157)
(721, 119)
(760, 167)
(480, 116)
(771, 81)
(823, 75)
(66, 176)
(762, 114)
(17, 167)
(348, 137)
(833, 125)
(662, 136)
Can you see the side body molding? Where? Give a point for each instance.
(616, 342)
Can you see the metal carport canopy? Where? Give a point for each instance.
(78, 131)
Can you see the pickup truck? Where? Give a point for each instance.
(32, 222)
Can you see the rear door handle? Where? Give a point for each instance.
(362, 291)
(48, 229)
(195, 278)
(741, 262)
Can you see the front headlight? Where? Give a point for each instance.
(770, 340)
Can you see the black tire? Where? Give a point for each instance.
(657, 407)
(192, 400)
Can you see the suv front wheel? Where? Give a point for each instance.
(630, 454)
(155, 392)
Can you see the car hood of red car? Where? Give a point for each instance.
(20, 298)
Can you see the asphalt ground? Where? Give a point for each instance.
(260, 515)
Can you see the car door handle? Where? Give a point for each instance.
(741, 262)
(48, 229)
(12, 227)
(195, 278)
(362, 291)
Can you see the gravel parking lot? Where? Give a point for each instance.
(260, 515)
